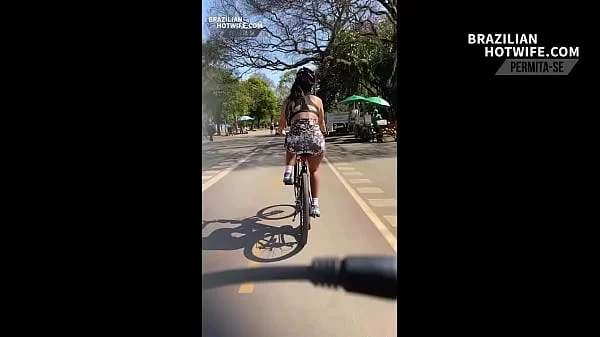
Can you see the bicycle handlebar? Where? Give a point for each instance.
(369, 275)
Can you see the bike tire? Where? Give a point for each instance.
(296, 186)
(305, 208)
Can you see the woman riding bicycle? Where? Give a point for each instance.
(304, 114)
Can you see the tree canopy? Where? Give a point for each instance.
(351, 44)
(285, 85)
(226, 97)
(264, 103)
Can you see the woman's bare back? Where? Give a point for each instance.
(313, 102)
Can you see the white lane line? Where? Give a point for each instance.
(225, 172)
(360, 181)
(206, 177)
(341, 164)
(382, 202)
(211, 172)
(391, 219)
(383, 229)
(368, 190)
(351, 174)
(343, 168)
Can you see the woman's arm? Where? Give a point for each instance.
(322, 117)
(282, 118)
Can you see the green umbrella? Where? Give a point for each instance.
(353, 99)
(377, 101)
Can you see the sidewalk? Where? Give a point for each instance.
(250, 134)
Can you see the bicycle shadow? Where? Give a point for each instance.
(269, 212)
(260, 242)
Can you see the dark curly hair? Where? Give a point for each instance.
(305, 80)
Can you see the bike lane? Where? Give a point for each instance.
(232, 228)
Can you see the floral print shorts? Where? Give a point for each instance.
(305, 137)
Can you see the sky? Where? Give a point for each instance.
(273, 75)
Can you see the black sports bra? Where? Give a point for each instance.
(304, 107)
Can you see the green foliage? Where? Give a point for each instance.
(360, 63)
(285, 85)
(263, 102)
(352, 59)
(224, 98)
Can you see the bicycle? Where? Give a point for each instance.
(302, 195)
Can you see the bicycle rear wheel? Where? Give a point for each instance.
(305, 208)
(297, 187)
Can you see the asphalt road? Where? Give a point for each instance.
(246, 222)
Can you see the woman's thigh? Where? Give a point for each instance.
(314, 162)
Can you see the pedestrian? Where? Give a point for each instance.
(211, 131)
(205, 131)
(272, 127)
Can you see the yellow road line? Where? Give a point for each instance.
(278, 183)
(383, 229)
(248, 288)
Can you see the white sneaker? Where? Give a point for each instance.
(314, 211)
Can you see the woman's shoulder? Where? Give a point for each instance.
(315, 98)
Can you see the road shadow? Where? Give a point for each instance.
(260, 242)
(342, 148)
(351, 139)
(332, 138)
(228, 147)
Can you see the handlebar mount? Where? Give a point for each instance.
(369, 275)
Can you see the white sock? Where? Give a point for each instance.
(315, 202)
(288, 169)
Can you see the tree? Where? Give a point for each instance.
(237, 103)
(285, 85)
(263, 102)
(353, 38)
(224, 98)
(359, 64)
(351, 42)
(266, 79)
(297, 32)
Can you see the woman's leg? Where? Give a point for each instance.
(289, 164)
(313, 166)
(289, 158)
